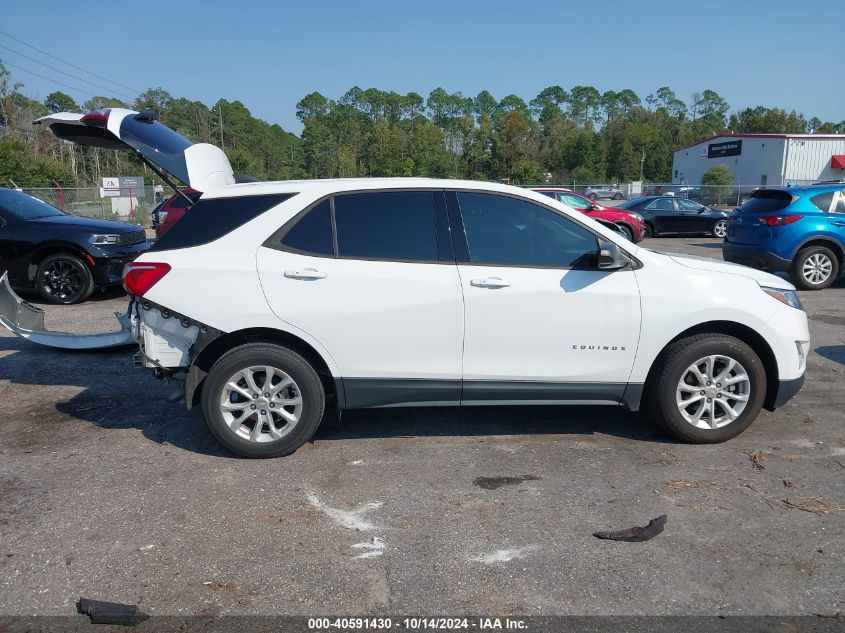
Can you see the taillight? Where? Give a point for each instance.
(778, 220)
(139, 277)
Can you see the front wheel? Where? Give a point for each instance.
(814, 268)
(64, 279)
(617, 196)
(707, 388)
(649, 230)
(720, 229)
(627, 230)
(262, 400)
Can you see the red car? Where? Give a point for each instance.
(632, 224)
(166, 214)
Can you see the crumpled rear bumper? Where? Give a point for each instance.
(27, 321)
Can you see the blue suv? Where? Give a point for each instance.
(795, 229)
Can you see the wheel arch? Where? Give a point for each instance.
(744, 333)
(215, 349)
(43, 251)
(826, 241)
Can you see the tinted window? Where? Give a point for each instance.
(394, 225)
(766, 200)
(550, 194)
(313, 232)
(661, 204)
(158, 143)
(209, 220)
(689, 205)
(823, 201)
(512, 232)
(840, 207)
(25, 207)
(633, 203)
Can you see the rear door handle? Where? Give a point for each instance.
(490, 282)
(306, 274)
(838, 223)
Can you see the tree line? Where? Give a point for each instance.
(579, 135)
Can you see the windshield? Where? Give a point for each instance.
(25, 207)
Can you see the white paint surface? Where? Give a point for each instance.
(349, 519)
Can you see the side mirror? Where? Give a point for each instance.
(594, 206)
(611, 257)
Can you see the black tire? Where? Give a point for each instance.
(649, 230)
(64, 279)
(720, 229)
(308, 384)
(617, 196)
(673, 364)
(821, 254)
(592, 197)
(627, 230)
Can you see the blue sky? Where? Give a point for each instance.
(269, 54)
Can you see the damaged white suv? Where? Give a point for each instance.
(267, 298)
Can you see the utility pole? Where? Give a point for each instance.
(642, 162)
(220, 114)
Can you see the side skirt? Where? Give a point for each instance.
(365, 393)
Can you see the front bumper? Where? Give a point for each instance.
(787, 389)
(754, 257)
(108, 262)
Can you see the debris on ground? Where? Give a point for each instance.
(757, 459)
(635, 534)
(491, 483)
(787, 483)
(686, 485)
(814, 505)
(111, 612)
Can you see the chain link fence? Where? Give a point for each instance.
(720, 196)
(135, 206)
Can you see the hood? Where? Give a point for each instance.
(201, 166)
(714, 265)
(93, 224)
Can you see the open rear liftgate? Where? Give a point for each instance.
(27, 321)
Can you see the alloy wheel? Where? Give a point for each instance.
(713, 392)
(62, 280)
(261, 404)
(817, 268)
(720, 229)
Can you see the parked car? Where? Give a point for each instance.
(796, 229)
(65, 257)
(668, 215)
(174, 208)
(631, 224)
(269, 297)
(604, 192)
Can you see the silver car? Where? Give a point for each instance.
(604, 192)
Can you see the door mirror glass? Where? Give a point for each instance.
(611, 257)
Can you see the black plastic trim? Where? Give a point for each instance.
(487, 390)
(365, 393)
(787, 389)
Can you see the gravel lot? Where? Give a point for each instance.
(108, 492)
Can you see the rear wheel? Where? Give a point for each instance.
(64, 279)
(617, 196)
(814, 268)
(262, 400)
(720, 229)
(708, 388)
(592, 197)
(627, 230)
(649, 230)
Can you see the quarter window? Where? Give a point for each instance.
(823, 201)
(313, 232)
(391, 225)
(508, 231)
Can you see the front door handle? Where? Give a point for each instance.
(490, 282)
(306, 274)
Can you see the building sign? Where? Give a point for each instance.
(121, 187)
(728, 148)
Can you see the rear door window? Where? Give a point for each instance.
(386, 225)
(209, 220)
(661, 204)
(766, 201)
(312, 233)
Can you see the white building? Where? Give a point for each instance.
(764, 159)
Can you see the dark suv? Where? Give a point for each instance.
(63, 256)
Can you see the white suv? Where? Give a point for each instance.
(266, 298)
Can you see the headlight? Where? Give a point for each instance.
(638, 217)
(789, 297)
(105, 239)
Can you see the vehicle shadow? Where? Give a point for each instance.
(836, 353)
(714, 245)
(114, 396)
